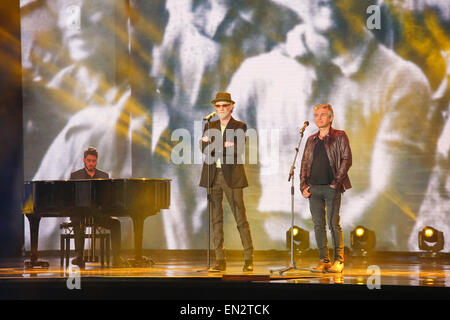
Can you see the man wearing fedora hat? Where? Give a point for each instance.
(225, 174)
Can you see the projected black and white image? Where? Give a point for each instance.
(124, 75)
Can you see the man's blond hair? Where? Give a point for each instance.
(325, 106)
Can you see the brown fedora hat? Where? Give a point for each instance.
(222, 96)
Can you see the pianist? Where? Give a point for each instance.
(113, 224)
(89, 171)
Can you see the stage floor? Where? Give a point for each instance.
(376, 277)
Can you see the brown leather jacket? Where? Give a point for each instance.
(339, 153)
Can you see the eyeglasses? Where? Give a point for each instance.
(223, 105)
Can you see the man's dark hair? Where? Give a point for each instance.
(91, 151)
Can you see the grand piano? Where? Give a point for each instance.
(135, 198)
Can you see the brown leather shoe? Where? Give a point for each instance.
(248, 266)
(221, 265)
(337, 267)
(322, 267)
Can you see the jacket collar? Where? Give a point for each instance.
(331, 133)
(230, 125)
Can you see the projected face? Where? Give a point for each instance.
(81, 24)
(90, 162)
(208, 15)
(321, 15)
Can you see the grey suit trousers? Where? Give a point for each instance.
(235, 198)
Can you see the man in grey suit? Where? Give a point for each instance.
(91, 172)
(223, 142)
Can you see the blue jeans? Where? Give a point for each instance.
(324, 204)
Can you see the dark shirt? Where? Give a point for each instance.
(321, 172)
(83, 175)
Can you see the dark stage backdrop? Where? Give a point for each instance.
(11, 175)
(130, 77)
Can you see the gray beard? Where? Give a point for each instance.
(223, 117)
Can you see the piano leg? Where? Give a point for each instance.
(139, 260)
(34, 237)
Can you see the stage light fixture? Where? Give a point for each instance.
(362, 240)
(428, 232)
(359, 231)
(431, 240)
(301, 239)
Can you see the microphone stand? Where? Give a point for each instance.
(291, 265)
(209, 199)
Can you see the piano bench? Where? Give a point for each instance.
(105, 252)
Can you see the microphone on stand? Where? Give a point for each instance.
(209, 116)
(304, 126)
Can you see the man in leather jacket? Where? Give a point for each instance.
(323, 177)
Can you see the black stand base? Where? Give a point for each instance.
(289, 268)
(36, 264)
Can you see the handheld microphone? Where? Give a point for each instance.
(209, 116)
(304, 126)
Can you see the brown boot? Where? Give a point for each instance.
(248, 266)
(322, 267)
(221, 265)
(337, 267)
